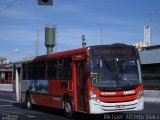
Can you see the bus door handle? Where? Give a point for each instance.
(70, 89)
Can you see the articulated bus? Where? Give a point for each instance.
(95, 80)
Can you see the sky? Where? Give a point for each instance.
(119, 21)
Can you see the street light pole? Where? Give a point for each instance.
(37, 44)
(101, 30)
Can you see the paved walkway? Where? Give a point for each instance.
(151, 100)
(6, 87)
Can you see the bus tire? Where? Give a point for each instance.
(29, 102)
(68, 108)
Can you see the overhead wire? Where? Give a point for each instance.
(9, 5)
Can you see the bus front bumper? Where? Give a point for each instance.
(103, 107)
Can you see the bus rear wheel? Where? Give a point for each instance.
(68, 108)
(29, 102)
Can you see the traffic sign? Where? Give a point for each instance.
(45, 2)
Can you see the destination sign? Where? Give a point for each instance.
(113, 51)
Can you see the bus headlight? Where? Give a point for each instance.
(140, 95)
(94, 96)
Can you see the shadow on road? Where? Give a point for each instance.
(77, 116)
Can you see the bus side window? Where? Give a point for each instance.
(52, 69)
(40, 70)
(24, 71)
(65, 68)
(31, 71)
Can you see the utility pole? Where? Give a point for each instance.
(37, 44)
(150, 24)
(101, 30)
(150, 18)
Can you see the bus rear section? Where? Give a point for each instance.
(56, 80)
(115, 79)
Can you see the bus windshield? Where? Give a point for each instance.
(115, 73)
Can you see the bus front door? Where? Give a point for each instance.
(80, 86)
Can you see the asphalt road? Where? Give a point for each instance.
(10, 110)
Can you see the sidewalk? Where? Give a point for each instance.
(6, 87)
(152, 96)
(151, 100)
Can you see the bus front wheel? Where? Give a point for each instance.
(68, 108)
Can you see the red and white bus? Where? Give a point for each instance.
(95, 80)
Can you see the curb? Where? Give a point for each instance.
(6, 87)
(151, 100)
(6, 90)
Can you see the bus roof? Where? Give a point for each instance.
(69, 52)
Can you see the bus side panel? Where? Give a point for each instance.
(55, 94)
(45, 93)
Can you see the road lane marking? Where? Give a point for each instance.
(30, 116)
(9, 111)
(17, 113)
(5, 105)
(8, 101)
